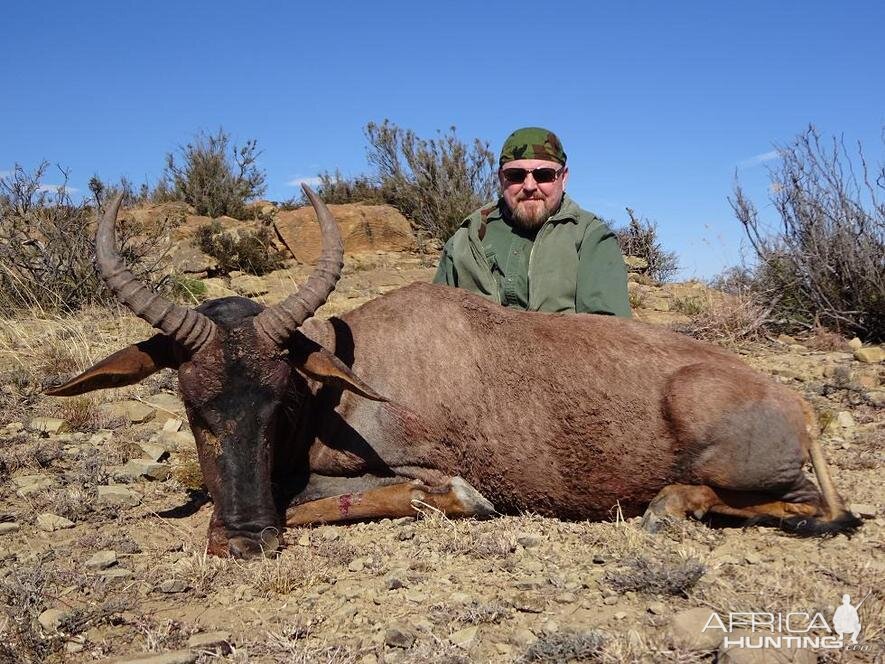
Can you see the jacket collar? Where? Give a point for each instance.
(475, 223)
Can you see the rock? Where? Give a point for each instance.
(216, 641)
(687, 629)
(399, 636)
(52, 522)
(356, 565)
(732, 654)
(50, 619)
(117, 495)
(172, 586)
(864, 510)
(50, 425)
(465, 638)
(154, 452)
(528, 541)
(870, 355)
(845, 420)
(31, 484)
(530, 583)
(138, 468)
(855, 344)
(304, 540)
(167, 403)
(178, 440)
(525, 603)
(249, 285)
(620, 615)
(364, 228)
(753, 558)
(8, 527)
(102, 559)
(134, 412)
(172, 425)
(522, 637)
(216, 288)
(395, 583)
(611, 600)
(171, 657)
(657, 608)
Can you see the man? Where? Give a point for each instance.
(534, 248)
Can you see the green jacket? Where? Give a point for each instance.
(575, 264)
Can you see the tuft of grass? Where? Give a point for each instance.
(249, 251)
(189, 290)
(728, 320)
(650, 577)
(690, 305)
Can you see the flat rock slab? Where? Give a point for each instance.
(172, 657)
(102, 559)
(687, 629)
(50, 425)
(52, 522)
(152, 470)
(119, 495)
(8, 527)
(871, 355)
(166, 402)
(134, 412)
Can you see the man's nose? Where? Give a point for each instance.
(529, 182)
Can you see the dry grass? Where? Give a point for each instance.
(653, 577)
(726, 319)
(567, 646)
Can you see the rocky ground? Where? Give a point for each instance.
(103, 528)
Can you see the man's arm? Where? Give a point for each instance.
(445, 273)
(602, 276)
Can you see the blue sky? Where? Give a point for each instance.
(657, 103)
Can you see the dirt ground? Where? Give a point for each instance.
(87, 575)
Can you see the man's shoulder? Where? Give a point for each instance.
(586, 220)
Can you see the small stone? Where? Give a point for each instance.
(168, 403)
(525, 603)
(845, 420)
(465, 638)
(50, 425)
(620, 615)
(356, 565)
(102, 559)
(50, 619)
(399, 636)
(134, 412)
(171, 657)
(115, 573)
(118, 495)
(753, 558)
(522, 637)
(855, 344)
(530, 583)
(688, 629)
(864, 510)
(395, 583)
(154, 452)
(73, 647)
(7, 527)
(52, 522)
(304, 540)
(610, 601)
(172, 586)
(172, 425)
(460, 598)
(216, 641)
(870, 355)
(566, 598)
(152, 470)
(415, 596)
(528, 541)
(657, 608)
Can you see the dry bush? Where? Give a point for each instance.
(215, 176)
(434, 182)
(640, 238)
(47, 246)
(727, 320)
(665, 577)
(249, 251)
(472, 613)
(337, 189)
(821, 264)
(23, 453)
(567, 646)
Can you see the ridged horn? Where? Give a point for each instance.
(188, 327)
(280, 321)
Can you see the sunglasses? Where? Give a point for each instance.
(543, 175)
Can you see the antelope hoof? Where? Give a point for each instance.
(475, 504)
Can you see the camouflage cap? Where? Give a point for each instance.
(532, 143)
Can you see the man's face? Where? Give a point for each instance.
(530, 202)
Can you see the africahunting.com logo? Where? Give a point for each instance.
(792, 629)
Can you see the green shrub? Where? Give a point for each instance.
(216, 177)
(640, 239)
(187, 289)
(821, 264)
(249, 251)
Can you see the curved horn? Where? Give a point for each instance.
(188, 327)
(281, 320)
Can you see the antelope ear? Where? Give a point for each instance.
(124, 367)
(321, 365)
